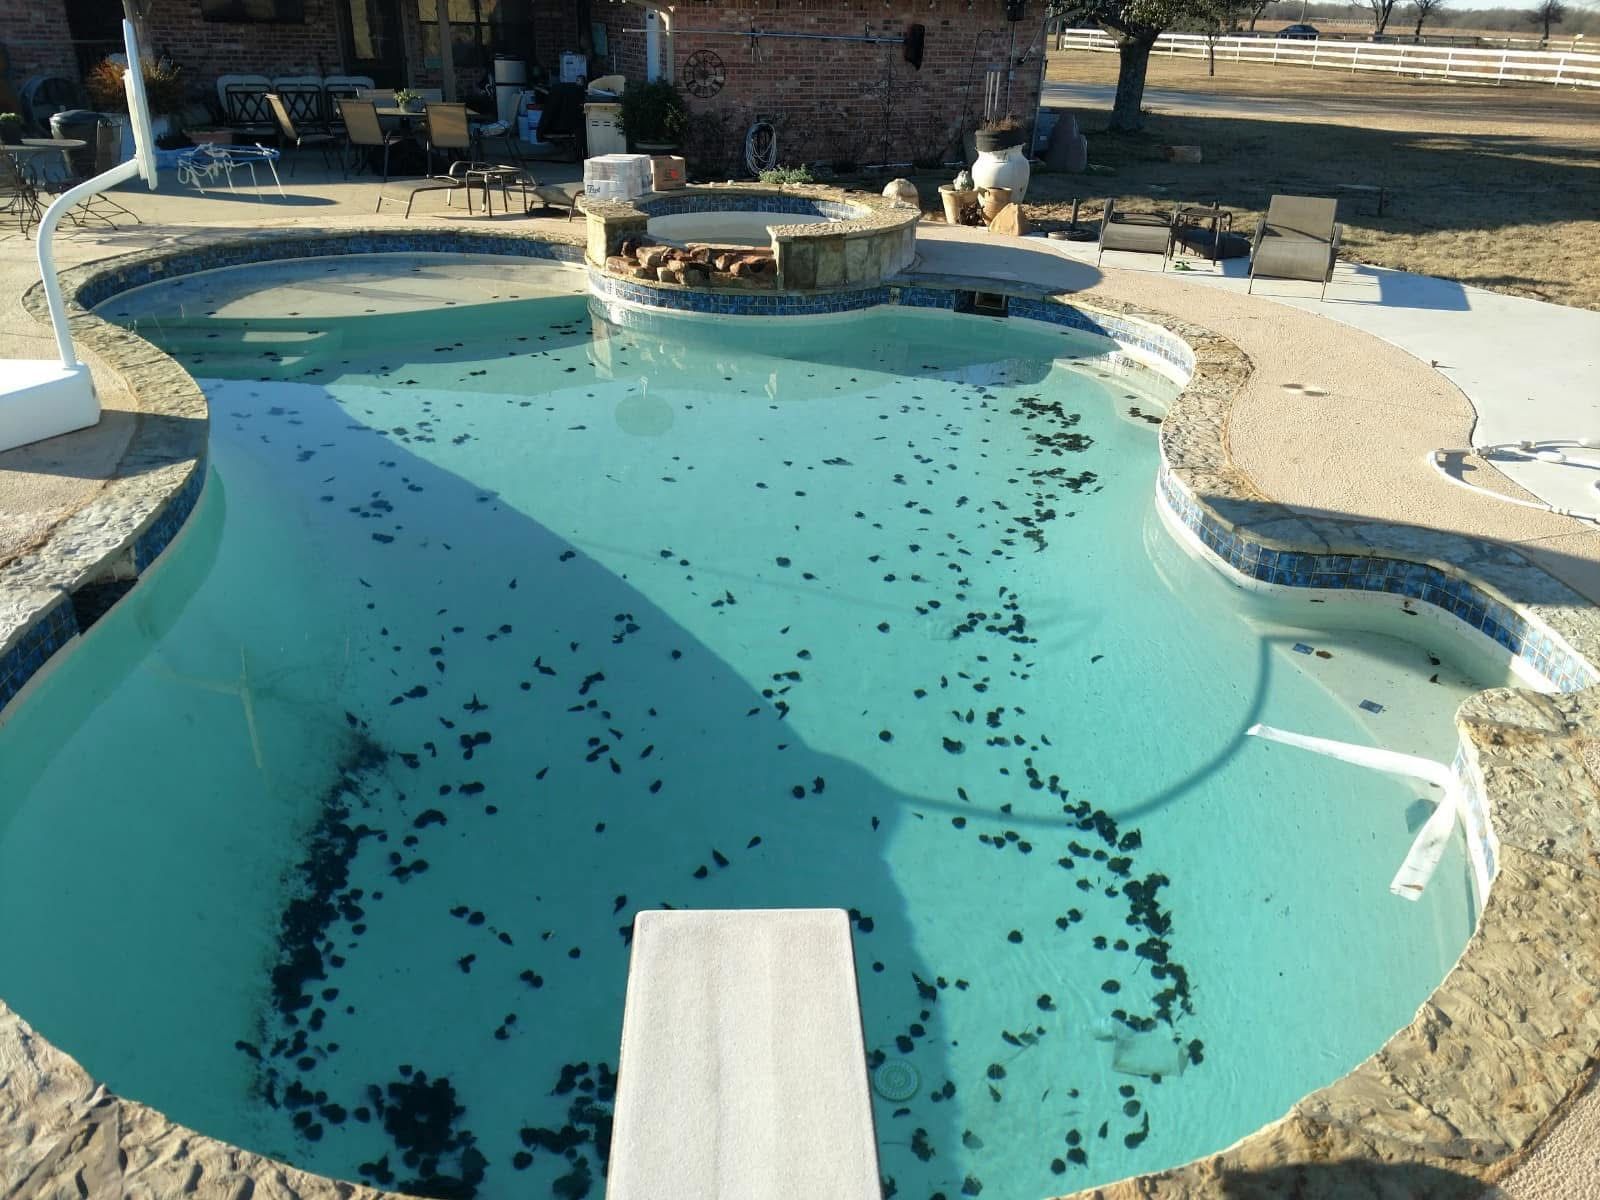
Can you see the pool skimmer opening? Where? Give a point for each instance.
(896, 1080)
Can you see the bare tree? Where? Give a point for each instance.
(1380, 14)
(1423, 10)
(1134, 25)
(1548, 13)
(1256, 8)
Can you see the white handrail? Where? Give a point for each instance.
(141, 165)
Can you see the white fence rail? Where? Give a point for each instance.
(1561, 68)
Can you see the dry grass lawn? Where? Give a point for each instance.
(1496, 187)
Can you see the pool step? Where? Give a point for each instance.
(743, 1074)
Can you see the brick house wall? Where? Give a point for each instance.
(206, 49)
(858, 102)
(37, 42)
(624, 40)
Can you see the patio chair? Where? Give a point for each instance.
(289, 137)
(246, 111)
(364, 131)
(18, 196)
(1141, 232)
(447, 130)
(100, 206)
(455, 179)
(563, 122)
(1298, 239)
(559, 195)
(306, 107)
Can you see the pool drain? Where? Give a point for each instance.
(896, 1080)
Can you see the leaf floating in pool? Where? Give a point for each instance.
(1014, 937)
(952, 746)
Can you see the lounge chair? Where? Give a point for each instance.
(1142, 232)
(1298, 239)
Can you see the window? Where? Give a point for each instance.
(479, 29)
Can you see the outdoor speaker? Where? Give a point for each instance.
(1014, 9)
(911, 45)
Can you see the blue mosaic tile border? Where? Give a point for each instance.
(1131, 335)
(1546, 654)
(49, 632)
(240, 253)
(798, 206)
(744, 304)
(155, 538)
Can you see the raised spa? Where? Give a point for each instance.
(497, 623)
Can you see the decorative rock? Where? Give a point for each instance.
(1009, 221)
(670, 272)
(903, 191)
(654, 256)
(993, 199)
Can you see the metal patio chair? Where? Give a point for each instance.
(365, 132)
(1141, 232)
(292, 138)
(18, 196)
(1298, 239)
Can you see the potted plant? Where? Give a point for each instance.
(1002, 162)
(407, 99)
(10, 129)
(163, 88)
(654, 116)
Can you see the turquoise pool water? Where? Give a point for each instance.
(497, 625)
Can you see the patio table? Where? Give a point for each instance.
(30, 149)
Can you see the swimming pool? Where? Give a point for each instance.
(650, 538)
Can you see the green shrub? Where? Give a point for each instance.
(782, 175)
(653, 112)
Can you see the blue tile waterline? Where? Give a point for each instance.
(1536, 647)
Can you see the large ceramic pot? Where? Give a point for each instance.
(1006, 168)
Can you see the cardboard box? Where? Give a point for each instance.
(666, 172)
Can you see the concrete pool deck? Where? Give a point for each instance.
(1306, 371)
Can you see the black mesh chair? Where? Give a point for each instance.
(106, 152)
(290, 138)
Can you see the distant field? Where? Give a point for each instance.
(1494, 187)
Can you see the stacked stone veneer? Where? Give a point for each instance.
(867, 238)
(1451, 1102)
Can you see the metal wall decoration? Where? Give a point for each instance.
(704, 74)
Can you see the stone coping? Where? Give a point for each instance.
(857, 212)
(1452, 1102)
(867, 237)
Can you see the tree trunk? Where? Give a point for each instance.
(1133, 62)
(1416, 37)
(1211, 54)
